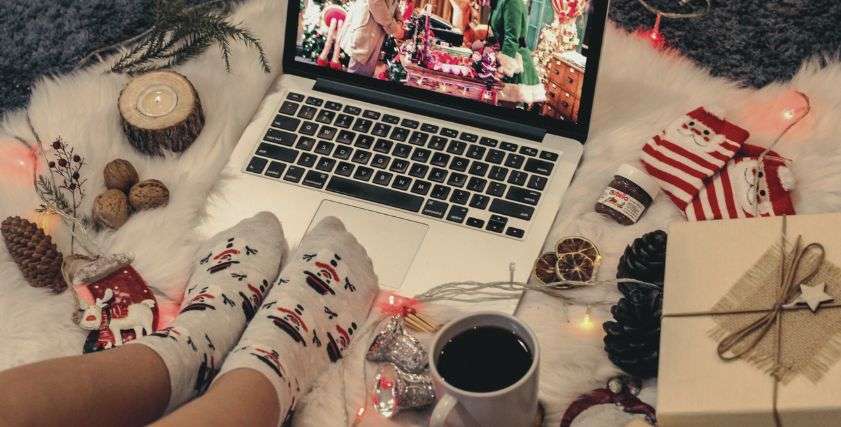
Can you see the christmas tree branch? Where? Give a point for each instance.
(180, 34)
(132, 41)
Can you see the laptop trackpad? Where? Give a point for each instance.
(391, 242)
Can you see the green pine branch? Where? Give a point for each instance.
(181, 34)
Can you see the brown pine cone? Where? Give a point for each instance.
(34, 252)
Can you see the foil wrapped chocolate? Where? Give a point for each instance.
(80, 269)
(393, 344)
(396, 390)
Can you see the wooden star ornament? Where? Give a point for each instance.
(813, 296)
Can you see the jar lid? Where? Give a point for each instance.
(648, 184)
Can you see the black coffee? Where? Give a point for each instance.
(483, 359)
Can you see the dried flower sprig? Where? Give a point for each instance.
(64, 189)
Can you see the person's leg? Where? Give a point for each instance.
(136, 383)
(242, 396)
(234, 270)
(337, 49)
(322, 57)
(307, 321)
(127, 386)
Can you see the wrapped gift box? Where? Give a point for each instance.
(696, 387)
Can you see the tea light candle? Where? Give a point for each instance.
(161, 110)
(157, 101)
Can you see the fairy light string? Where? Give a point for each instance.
(654, 35)
(788, 114)
(678, 15)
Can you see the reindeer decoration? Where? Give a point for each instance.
(118, 317)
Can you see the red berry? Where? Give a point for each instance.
(77, 159)
(62, 162)
(51, 164)
(57, 144)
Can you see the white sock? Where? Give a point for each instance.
(311, 314)
(234, 270)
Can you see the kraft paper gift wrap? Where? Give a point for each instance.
(704, 261)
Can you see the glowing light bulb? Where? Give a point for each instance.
(788, 114)
(654, 36)
(587, 322)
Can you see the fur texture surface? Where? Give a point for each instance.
(639, 91)
(755, 42)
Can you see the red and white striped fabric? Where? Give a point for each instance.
(742, 191)
(689, 151)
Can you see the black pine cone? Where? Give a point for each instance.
(34, 253)
(645, 258)
(632, 339)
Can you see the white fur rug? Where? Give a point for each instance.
(639, 91)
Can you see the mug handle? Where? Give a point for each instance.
(442, 410)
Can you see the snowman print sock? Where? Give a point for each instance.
(233, 271)
(311, 314)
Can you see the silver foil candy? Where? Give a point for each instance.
(81, 269)
(393, 344)
(395, 390)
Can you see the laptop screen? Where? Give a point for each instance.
(525, 55)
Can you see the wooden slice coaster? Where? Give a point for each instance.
(161, 110)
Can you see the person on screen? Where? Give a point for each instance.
(369, 21)
(508, 26)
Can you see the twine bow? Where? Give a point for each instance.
(742, 341)
(787, 290)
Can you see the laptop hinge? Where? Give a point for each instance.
(439, 111)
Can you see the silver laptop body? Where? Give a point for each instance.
(398, 195)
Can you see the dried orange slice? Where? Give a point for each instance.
(545, 268)
(578, 245)
(575, 266)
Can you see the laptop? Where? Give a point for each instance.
(440, 172)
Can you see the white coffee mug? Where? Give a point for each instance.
(515, 405)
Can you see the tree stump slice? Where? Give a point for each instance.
(161, 110)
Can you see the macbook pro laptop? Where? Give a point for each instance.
(444, 174)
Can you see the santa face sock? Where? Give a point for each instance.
(233, 271)
(311, 315)
(689, 151)
(745, 189)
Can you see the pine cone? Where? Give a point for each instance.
(34, 252)
(632, 341)
(645, 259)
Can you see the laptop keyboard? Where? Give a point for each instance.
(434, 171)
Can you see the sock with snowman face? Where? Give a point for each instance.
(310, 316)
(234, 270)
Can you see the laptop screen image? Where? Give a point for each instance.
(526, 55)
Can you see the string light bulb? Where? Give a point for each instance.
(653, 35)
(360, 413)
(18, 162)
(586, 322)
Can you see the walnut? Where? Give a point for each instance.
(120, 175)
(148, 194)
(111, 209)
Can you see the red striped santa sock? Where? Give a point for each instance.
(743, 189)
(689, 151)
